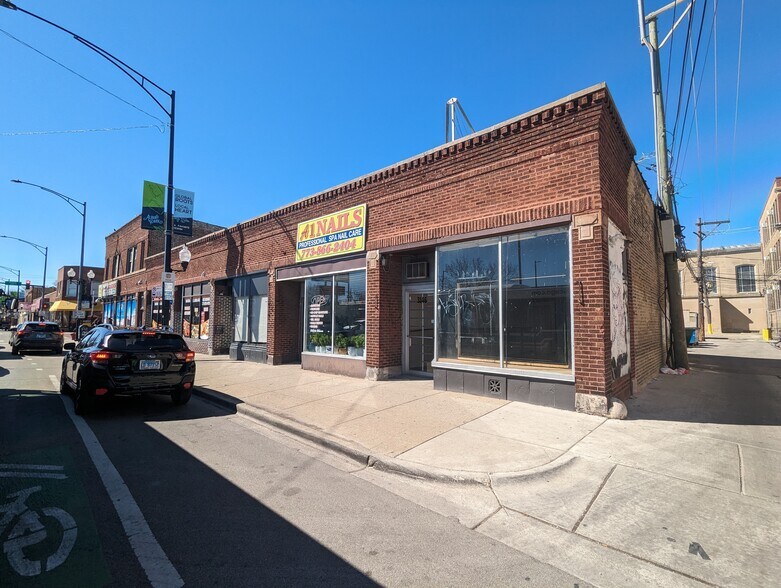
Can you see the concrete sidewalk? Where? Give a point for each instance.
(686, 490)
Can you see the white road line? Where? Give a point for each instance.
(29, 466)
(55, 382)
(32, 475)
(38, 369)
(157, 566)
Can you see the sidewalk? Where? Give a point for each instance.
(686, 490)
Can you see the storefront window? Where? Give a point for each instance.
(468, 296)
(336, 314)
(319, 317)
(157, 313)
(535, 278)
(195, 311)
(250, 309)
(533, 329)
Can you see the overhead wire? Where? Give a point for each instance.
(77, 74)
(737, 102)
(160, 128)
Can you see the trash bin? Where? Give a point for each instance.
(691, 336)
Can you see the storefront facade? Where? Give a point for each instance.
(520, 262)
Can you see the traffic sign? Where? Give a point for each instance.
(78, 314)
(12, 283)
(169, 277)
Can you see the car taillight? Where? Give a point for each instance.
(22, 332)
(185, 356)
(103, 357)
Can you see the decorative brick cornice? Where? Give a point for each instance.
(567, 106)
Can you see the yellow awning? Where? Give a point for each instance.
(60, 305)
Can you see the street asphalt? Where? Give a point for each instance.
(216, 499)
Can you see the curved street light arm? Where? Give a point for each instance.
(115, 61)
(67, 199)
(41, 249)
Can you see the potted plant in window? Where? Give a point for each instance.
(341, 341)
(321, 341)
(357, 342)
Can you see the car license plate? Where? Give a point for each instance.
(151, 364)
(40, 335)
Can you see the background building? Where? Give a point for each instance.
(61, 309)
(734, 278)
(770, 235)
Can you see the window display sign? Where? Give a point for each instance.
(335, 234)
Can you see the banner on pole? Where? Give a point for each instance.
(184, 200)
(153, 207)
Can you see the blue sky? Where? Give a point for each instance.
(279, 100)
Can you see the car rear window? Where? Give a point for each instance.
(141, 342)
(43, 327)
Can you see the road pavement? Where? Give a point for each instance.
(196, 495)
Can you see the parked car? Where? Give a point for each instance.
(36, 335)
(119, 362)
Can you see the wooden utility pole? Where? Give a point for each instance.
(702, 287)
(664, 180)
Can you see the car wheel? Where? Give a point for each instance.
(181, 396)
(82, 400)
(64, 388)
(14, 350)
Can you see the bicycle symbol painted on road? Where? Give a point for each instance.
(22, 528)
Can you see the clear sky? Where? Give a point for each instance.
(280, 100)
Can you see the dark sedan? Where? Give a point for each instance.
(109, 361)
(37, 335)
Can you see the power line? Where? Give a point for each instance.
(160, 128)
(77, 74)
(737, 101)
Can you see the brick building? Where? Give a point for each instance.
(522, 261)
(770, 235)
(61, 310)
(129, 294)
(734, 302)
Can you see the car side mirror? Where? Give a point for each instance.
(69, 346)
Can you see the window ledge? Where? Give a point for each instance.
(539, 375)
(339, 355)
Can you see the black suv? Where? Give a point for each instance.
(37, 335)
(110, 361)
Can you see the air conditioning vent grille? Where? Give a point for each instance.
(417, 270)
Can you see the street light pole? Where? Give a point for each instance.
(83, 212)
(45, 252)
(143, 82)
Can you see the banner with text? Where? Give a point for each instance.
(339, 233)
(153, 207)
(184, 201)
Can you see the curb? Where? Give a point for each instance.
(364, 457)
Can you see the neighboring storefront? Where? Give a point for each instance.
(521, 262)
(108, 293)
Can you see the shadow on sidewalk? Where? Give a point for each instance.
(720, 389)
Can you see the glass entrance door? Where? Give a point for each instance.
(419, 328)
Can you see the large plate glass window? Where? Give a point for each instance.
(506, 302)
(536, 298)
(250, 309)
(335, 312)
(468, 299)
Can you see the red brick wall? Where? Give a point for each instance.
(384, 312)
(567, 159)
(646, 279)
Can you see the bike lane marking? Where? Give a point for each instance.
(47, 532)
(157, 567)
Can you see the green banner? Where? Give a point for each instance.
(153, 207)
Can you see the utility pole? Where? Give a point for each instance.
(664, 181)
(702, 287)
